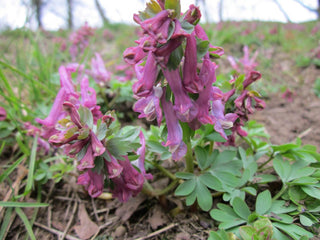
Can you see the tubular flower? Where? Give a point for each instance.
(98, 71)
(174, 140)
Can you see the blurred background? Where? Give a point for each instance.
(70, 14)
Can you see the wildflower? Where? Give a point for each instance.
(129, 183)
(149, 107)
(98, 70)
(174, 140)
(3, 114)
(80, 40)
(34, 131)
(185, 108)
(288, 95)
(93, 182)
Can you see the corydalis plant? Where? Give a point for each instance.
(175, 72)
(76, 124)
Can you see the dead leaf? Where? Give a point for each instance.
(158, 218)
(87, 228)
(128, 208)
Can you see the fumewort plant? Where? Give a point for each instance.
(199, 118)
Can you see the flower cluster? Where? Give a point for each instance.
(244, 100)
(175, 72)
(80, 40)
(77, 125)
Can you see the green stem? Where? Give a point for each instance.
(112, 102)
(282, 190)
(149, 190)
(162, 169)
(189, 157)
(266, 162)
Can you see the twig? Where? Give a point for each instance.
(22, 172)
(55, 231)
(172, 225)
(95, 210)
(75, 207)
(305, 133)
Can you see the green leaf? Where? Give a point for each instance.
(191, 198)
(152, 9)
(187, 27)
(201, 156)
(204, 197)
(23, 204)
(250, 190)
(293, 230)
(102, 131)
(265, 178)
(284, 148)
(263, 202)
(221, 216)
(241, 208)
(282, 167)
(185, 188)
(202, 48)
(174, 5)
(175, 58)
(215, 137)
(211, 182)
(10, 169)
(5, 222)
(311, 191)
(304, 181)
(86, 116)
(305, 221)
(26, 223)
(184, 175)
(214, 236)
(32, 163)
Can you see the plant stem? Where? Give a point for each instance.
(163, 170)
(189, 157)
(266, 162)
(282, 190)
(149, 190)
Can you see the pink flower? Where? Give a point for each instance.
(93, 182)
(98, 70)
(3, 114)
(129, 183)
(174, 139)
(149, 107)
(186, 110)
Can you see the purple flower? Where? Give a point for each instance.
(93, 182)
(158, 26)
(34, 131)
(184, 107)
(98, 70)
(55, 114)
(149, 107)
(252, 77)
(174, 139)
(140, 161)
(114, 169)
(190, 77)
(193, 15)
(3, 114)
(147, 78)
(133, 55)
(222, 121)
(129, 183)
